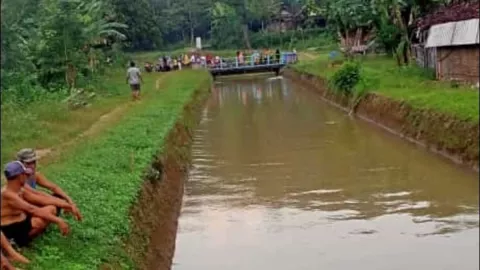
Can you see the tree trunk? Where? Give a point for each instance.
(192, 36)
(246, 37)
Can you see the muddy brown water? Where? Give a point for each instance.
(282, 180)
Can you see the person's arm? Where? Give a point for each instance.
(37, 197)
(128, 75)
(33, 197)
(15, 201)
(140, 76)
(43, 182)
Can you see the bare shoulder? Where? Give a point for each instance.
(39, 175)
(8, 194)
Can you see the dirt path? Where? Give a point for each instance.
(307, 56)
(105, 121)
(96, 128)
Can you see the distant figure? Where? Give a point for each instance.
(186, 60)
(148, 67)
(134, 77)
(209, 59)
(277, 56)
(241, 58)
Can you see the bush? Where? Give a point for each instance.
(346, 78)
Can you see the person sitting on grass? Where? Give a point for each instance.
(134, 77)
(12, 254)
(21, 220)
(28, 158)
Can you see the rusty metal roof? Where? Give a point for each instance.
(453, 34)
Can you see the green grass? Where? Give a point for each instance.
(48, 122)
(101, 178)
(410, 84)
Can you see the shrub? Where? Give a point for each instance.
(346, 78)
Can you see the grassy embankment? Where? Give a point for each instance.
(49, 122)
(104, 173)
(410, 84)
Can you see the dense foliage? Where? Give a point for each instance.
(56, 46)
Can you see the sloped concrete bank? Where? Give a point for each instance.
(151, 244)
(443, 134)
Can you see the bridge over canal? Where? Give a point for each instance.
(232, 66)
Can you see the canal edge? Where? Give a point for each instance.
(154, 216)
(454, 139)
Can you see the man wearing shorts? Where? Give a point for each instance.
(28, 157)
(134, 78)
(10, 254)
(21, 220)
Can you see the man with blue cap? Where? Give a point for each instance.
(29, 158)
(21, 220)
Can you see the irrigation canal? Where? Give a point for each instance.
(281, 180)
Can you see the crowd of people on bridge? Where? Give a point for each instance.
(27, 211)
(198, 59)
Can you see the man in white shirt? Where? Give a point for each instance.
(134, 78)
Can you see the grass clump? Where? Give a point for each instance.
(104, 176)
(411, 84)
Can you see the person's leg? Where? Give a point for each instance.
(137, 91)
(38, 225)
(132, 87)
(11, 252)
(6, 265)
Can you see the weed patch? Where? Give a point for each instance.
(104, 176)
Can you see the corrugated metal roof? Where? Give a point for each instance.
(453, 34)
(466, 32)
(440, 35)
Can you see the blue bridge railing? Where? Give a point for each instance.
(253, 60)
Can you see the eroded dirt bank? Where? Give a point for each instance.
(452, 138)
(151, 244)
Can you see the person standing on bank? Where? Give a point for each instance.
(28, 158)
(134, 77)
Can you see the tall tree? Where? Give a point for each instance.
(144, 32)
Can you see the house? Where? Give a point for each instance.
(457, 50)
(282, 22)
(448, 42)
(289, 19)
